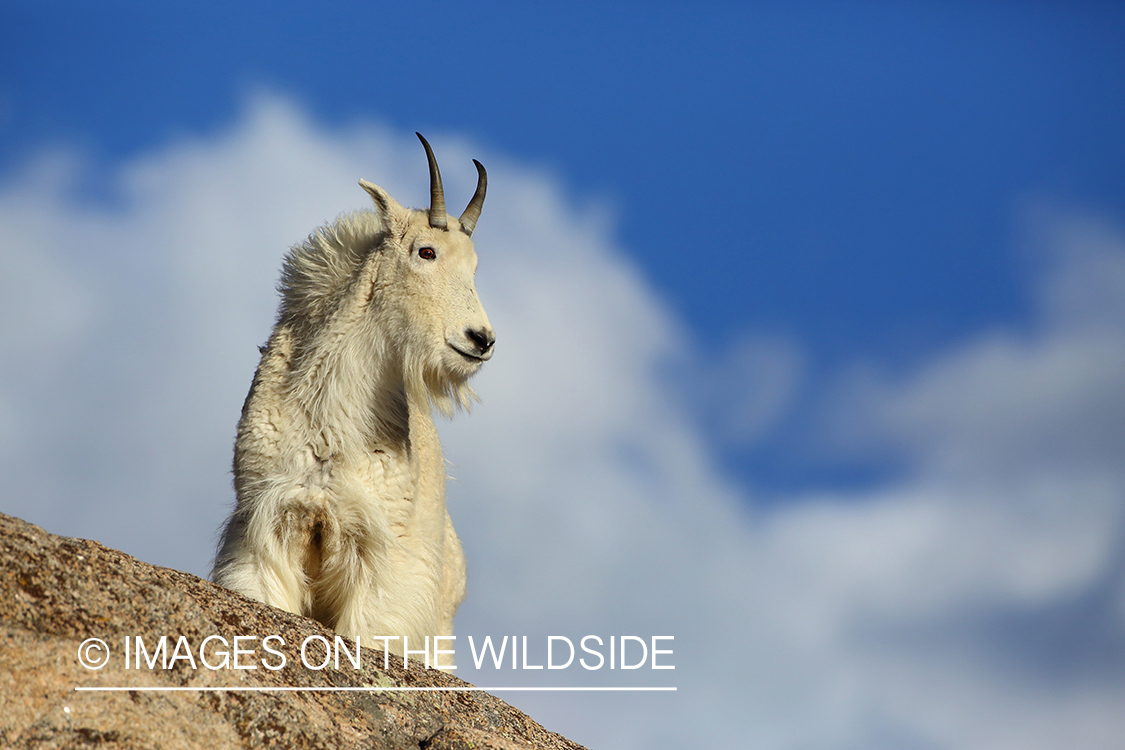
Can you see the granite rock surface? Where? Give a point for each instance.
(57, 592)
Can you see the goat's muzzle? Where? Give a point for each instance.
(483, 339)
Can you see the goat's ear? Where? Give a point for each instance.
(386, 205)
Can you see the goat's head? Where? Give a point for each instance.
(427, 281)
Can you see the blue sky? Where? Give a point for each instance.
(810, 321)
(860, 168)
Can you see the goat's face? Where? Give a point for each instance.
(435, 295)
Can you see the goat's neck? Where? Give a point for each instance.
(353, 394)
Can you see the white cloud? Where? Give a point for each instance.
(923, 614)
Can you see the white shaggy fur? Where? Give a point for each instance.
(341, 511)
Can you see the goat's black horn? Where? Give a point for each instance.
(472, 211)
(437, 195)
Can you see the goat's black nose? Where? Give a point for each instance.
(483, 338)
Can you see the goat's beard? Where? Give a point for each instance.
(430, 376)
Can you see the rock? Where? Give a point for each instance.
(56, 592)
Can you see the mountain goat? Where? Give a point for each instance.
(338, 471)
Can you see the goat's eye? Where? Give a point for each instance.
(426, 253)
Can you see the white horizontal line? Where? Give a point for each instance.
(359, 689)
